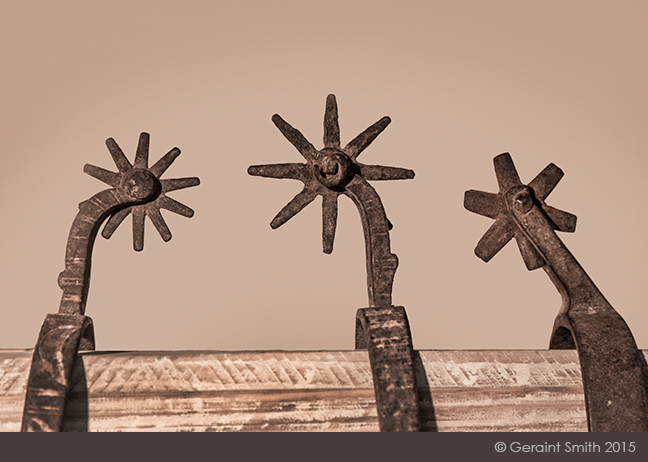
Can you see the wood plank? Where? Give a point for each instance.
(505, 390)
(516, 390)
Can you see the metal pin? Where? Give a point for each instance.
(382, 328)
(613, 379)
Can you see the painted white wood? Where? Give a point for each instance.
(503, 390)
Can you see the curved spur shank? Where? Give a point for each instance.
(382, 328)
(136, 189)
(613, 378)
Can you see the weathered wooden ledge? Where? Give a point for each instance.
(503, 390)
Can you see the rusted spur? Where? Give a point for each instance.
(613, 378)
(135, 189)
(383, 329)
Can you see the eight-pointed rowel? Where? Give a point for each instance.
(512, 193)
(613, 379)
(125, 174)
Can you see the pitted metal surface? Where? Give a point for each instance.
(385, 333)
(330, 172)
(137, 190)
(613, 379)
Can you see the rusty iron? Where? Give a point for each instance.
(613, 378)
(135, 189)
(382, 328)
(385, 333)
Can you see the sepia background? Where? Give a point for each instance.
(463, 81)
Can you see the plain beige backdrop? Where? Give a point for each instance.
(463, 81)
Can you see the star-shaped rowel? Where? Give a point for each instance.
(150, 209)
(506, 226)
(327, 171)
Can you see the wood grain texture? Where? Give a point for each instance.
(508, 390)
